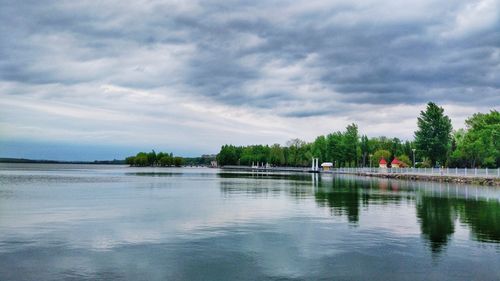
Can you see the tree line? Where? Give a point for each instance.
(162, 159)
(434, 144)
(204, 160)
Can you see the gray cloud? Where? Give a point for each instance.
(290, 59)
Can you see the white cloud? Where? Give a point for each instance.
(197, 75)
(475, 17)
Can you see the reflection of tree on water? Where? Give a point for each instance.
(436, 216)
(255, 189)
(372, 192)
(343, 199)
(264, 175)
(437, 207)
(264, 185)
(483, 218)
(345, 196)
(436, 213)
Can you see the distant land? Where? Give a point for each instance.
(23, 160)
(203, 160)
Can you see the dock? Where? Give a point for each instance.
(470, 176)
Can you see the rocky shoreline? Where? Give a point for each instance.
(491, 181)
(481, 180)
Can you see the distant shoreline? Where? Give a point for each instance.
(44, 161)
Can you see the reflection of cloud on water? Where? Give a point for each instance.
(194, 209)
(383, 218)
(257, 213)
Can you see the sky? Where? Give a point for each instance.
(85, 80)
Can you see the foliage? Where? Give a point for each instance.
(143, 159)
(365, 149)
(228, 155)
(277, 155)
(379, 154)
(433, 137)
(340, 147)
(426, 163)
(476, 146)
(204, 160)
(351, 143)
(405, 159)
(178, 161)
(320, 149)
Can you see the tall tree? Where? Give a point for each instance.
(277, 157)
(351, 143)
(480, 144)
(228, 155)
(458, 157)
(433, 136)
(378, 155)
(365, 149)
(319, 148)
(295, 149)
(335, 149)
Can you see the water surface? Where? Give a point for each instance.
(90, 222)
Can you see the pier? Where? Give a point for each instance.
(470, 176)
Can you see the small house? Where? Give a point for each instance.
(326, 166)
(382, 163)
(398, 164)
(395, 163)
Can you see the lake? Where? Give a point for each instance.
(91, 222)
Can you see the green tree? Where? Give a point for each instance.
(295, 152)
(166, 160)
(178, 161)
(407, 148)
(247, 156)
(130, 160)
(457, 157)
(405, 159)
(433, 137)
(379, 154)
(365, 149)
(141, 159)
(351, 143)
(480, 144)
(277, 157)
(305, 155)
(228, 155)
(335, 148)
(151, 158)
(319, 148)
(396, 147)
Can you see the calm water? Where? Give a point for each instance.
(84, 222)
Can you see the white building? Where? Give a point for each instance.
(326, 166)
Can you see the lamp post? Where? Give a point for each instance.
(413, 149)
(371, 155)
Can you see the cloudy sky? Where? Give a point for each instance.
(102, 79)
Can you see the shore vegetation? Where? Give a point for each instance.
(435, 144)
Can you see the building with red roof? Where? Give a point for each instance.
(382, 163)
(398, 164)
